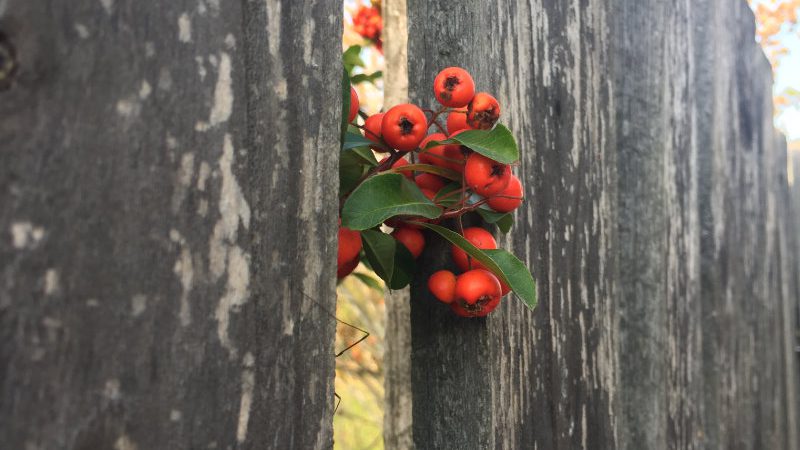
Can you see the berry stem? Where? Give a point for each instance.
(439, 126)
(457, 213)
(435, 115)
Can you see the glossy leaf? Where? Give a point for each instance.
(504, 221)
(497, 144)
(352, 166)
(353, 140)
(518, 277)
(383, 196)
(390, 259)
(448, 195)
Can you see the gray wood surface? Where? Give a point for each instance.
(167, 228)
(657, 224)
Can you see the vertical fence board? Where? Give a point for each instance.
(166, 176)
(655, 225)
(554, 370)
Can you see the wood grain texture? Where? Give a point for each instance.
(450, 374)
(167, 244)
(655, 224)
(397, 412)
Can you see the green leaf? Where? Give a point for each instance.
(365, 154)
(364, 78)
(353, 140)
(444, 196)
(504, 221)
(518, 277)
(436, 170)
(390, 259)
(369, 281)
(497, 144)
(351, 168)
(352, 58)
(383, 196)
(345, 105)
(500, 262)
(356, 139)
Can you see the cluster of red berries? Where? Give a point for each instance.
(369, 24)
(402, 131)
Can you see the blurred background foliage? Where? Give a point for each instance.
(778, 33)
(358, 422)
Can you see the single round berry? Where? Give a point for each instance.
(442, 285)
(400, 163)
(429, 181)
(372, 130)
(453, 87)
(483, 111)
(349, 245)
(477, 293)
(404, 127)
(457, 120)
(485, 176)
(411, 238)
(509, 198)
(353, 105)
(346, 268)
(479, 238)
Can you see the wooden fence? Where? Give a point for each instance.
(168, 215)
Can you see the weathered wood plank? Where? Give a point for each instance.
(556, 369)
(166, 176)
(654, 226)
(397, 414)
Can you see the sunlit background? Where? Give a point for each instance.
(358, 422)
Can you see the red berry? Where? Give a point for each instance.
(442, 285)
(453, 87)
(411, 238)
(478, 293)
(479, 238)
(368, 22)
(372, 130)
(400, 163)
(428, 193)
(404, 127)
(457, 120)
(349, 245)
(353, 105)
(343, 270)
(485, 176)
(483, 111)
(429, 181)
(425, 156)
(503, 201)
